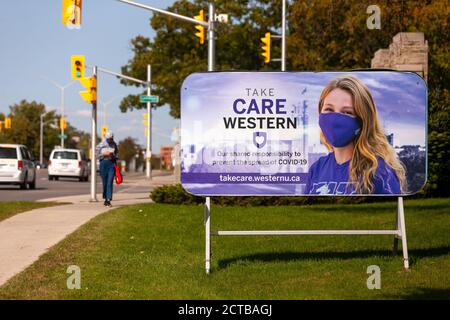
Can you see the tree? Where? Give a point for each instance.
(175, 52)
(323, 35)
(128, 150)
(332, 35)
(26, 129)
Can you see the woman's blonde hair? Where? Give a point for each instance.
(371, 142)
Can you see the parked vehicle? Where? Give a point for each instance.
(17, 166)
(69, 163)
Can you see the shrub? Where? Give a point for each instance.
(175, 194)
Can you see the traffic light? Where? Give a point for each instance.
(201, 29)
(266, 47)
(71, 13)
(63, 123)
(104, 130)
(77, 67)
(145, 119)
(90, 84)
(8, 123)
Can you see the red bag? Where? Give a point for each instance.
(119, 178)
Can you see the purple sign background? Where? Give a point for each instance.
(269, 148)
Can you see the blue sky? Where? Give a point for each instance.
(34, 44)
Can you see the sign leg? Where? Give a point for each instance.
(207, 234)
(401, 219)
(398, 228)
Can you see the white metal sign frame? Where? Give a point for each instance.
(399, 233)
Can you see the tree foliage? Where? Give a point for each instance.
(25, 129)
(175, 52)
(129, 149)
(323, 35)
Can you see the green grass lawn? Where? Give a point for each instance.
(10, 208)
(157, 252)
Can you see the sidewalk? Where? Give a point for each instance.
(26, 236)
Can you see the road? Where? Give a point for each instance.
(63, 187)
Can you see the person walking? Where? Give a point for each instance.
(107, 153)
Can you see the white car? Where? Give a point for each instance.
(17, 166)
(70, 163)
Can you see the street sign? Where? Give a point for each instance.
(64, 136)
(151, 99)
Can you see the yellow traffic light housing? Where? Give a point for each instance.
(71, 13)
(104, 130)
(266, 47)
(201, 29)
(145, 119)
(90, 83)
(63, 123)
(8, 123)
(77, 67)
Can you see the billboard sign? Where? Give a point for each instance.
(304, 133)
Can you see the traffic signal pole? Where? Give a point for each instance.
(91, 96)
(211, 38)
(148, 155)
(211, 66)
(283, 36)
(167, 13)
(267, 41)
(149, 109)
(211, 60)
(94, 144)
(61, 122)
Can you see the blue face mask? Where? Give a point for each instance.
(339, 129)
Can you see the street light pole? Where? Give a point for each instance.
(62, 88)
(41, 137)
(105, 105)
(41, 140)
